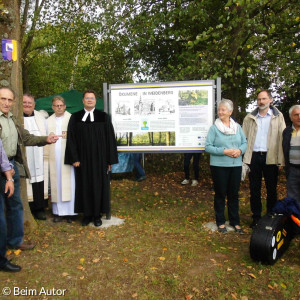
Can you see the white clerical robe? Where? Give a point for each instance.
(62, 176)
(37, 157)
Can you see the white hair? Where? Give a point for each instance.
(228, 103)
(297, 106)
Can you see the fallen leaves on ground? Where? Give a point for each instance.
(17, 252)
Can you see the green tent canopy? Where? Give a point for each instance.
(72, 98)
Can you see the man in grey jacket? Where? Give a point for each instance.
(263, 129)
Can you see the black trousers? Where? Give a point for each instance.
(259, 168)
(186, 164)
(38, 203)
(226, 183)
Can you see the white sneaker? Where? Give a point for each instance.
(185, 181)
(194, 182)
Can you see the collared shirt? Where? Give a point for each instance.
(263, 125)
(295, 147)
(25, 115)
(9, 134)
(4, 163)
(87, 113)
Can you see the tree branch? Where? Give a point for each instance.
(29, 40)
(24, 20)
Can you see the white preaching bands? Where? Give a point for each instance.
(91, 113)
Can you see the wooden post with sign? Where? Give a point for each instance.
(11, 76)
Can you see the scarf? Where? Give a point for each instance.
(232, 129)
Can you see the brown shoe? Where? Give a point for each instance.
(24, 246)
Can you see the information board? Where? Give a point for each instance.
(162, 117)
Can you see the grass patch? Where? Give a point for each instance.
(160, 252)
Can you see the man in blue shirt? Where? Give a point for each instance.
(6, 192)
(263, 129)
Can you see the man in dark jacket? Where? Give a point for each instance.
(291, 150)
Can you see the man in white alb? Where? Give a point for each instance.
(37, 159)
(62, 177)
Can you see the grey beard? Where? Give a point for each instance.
(263, 107)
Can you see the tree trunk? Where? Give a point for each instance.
(168, 138)
(130, 139)
(237, 95)
(25, 79)
(11, 76)
(235, 99)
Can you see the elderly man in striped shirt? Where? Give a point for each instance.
(291, 150)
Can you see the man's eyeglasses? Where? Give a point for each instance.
(90, 98)
(59, 105)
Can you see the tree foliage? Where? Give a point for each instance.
(63, 48)
(249, 44)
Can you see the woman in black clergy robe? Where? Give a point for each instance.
(92, 149)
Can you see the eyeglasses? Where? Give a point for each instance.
(27, 103)
(60, 105)
(90, 98)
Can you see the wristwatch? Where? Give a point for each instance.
(11, 179)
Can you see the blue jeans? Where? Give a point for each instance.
(3, 260)
(11, 227)
(137, 163)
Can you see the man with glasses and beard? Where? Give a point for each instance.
(263, 129)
